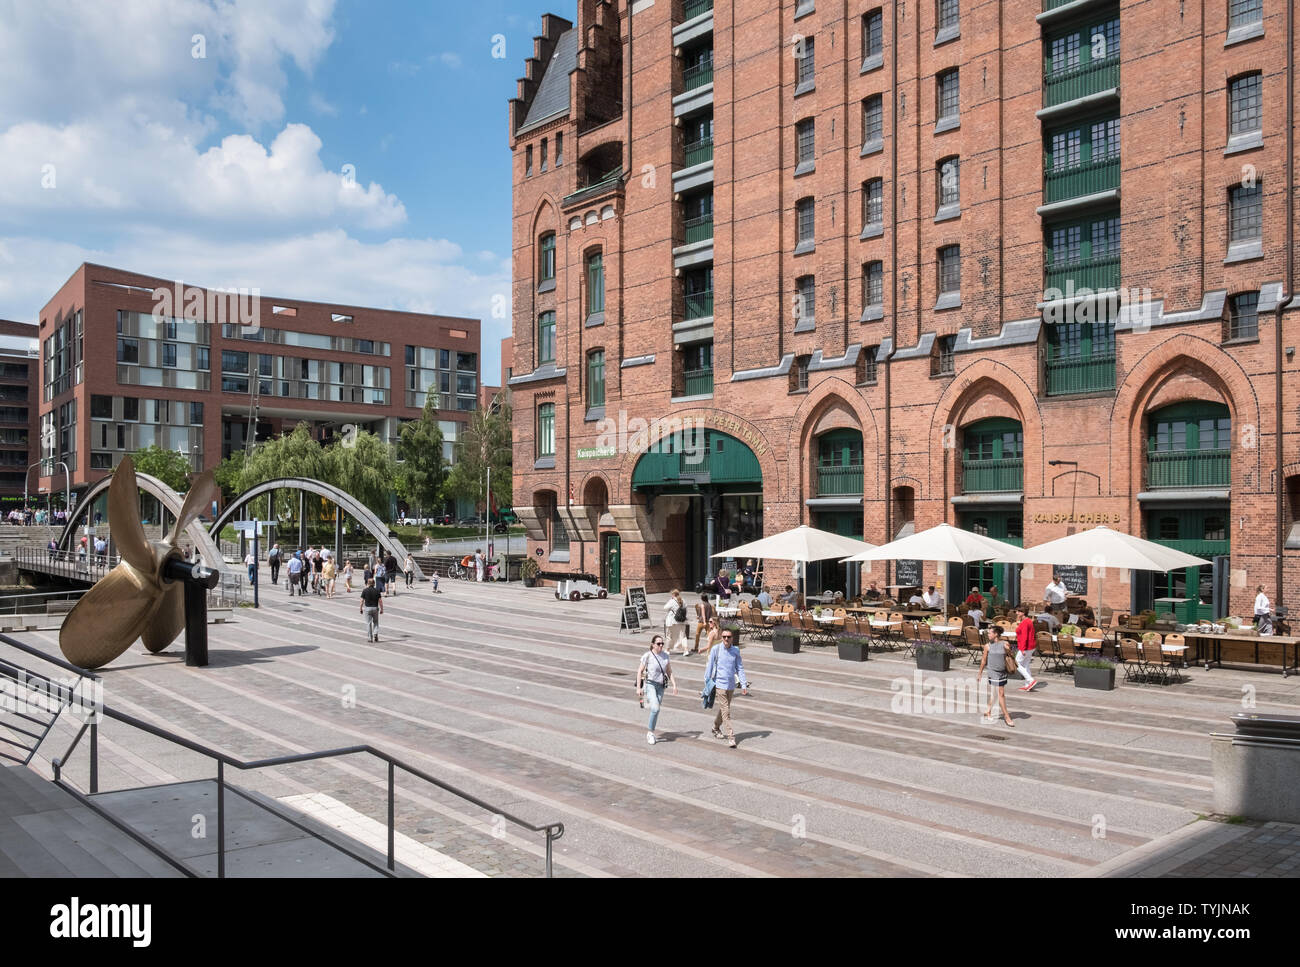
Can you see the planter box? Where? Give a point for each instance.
(786, 644)
(933, 661)
(1099, 678)
(852, 650)
(530, 582)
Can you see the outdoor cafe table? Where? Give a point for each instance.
(944, 629)
(1211, 643)
(727, 612)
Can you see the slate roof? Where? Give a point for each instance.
(553, 93)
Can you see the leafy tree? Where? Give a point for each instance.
(229, 473)
(170, 466)
(363, 465)
(422, 471)
(296, 454)
(486, 442)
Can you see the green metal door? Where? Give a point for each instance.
(1203, 532)
(1002, 525)
(610, 565)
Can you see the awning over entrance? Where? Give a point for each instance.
(692, 459)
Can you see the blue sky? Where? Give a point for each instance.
(220, 160)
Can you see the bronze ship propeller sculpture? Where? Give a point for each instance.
(144, 596)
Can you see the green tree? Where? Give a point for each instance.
(296, 454)
(229, 473)
(170, 466)
(485, 443)
(422, 470)
(363, 465)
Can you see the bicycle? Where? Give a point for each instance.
(454, 570)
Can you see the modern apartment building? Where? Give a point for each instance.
(129, 360)
(18, 405)
(1024, 267)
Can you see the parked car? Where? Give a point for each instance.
(470, 522)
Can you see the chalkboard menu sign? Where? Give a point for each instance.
(907, 572)
(636, 598)
(630, 621)
(1074, 577)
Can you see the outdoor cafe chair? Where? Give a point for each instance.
(1130, 656)
(1046, 649)
(1065, 652)
(974, 643)
(1153, 657)
(1096, 633)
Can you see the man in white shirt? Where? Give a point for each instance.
(765, 599)
(932, 598)
(1055, 593)
(1263, 612)
(916, 600)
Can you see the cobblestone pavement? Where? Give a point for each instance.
(528, 703)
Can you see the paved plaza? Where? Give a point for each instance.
(529, 703)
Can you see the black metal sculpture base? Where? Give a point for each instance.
(196, 581)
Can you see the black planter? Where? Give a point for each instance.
(786, 644)
(530, 582)
(852, 650)
(1102, 679)
(933, 661)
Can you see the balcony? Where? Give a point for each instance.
(1188, 468)
(699, 305)
(1097, 274)
(694, 8)
(1081, 180)
(697, 76)
(593, 189)
(700, 229)
(1085, 80)
(839, 481)
(993, 476)
(697, 382)
(698, 152)
(1068, 377)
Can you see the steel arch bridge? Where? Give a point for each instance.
(171, 501)
(340, 498)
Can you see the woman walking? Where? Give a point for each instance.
(655, 672)
(675, 622)
(347, 576)
(704, 615)
(995, 660)
(409, 570)
(723, 671)
(329, 572)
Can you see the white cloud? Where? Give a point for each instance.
(124, 167)
(321, 106)
(449, 59)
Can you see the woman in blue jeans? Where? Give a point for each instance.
(656, 672)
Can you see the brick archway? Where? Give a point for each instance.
(1202, 363)
(815, 405)
(986, 378)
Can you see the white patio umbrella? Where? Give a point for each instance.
(1102, 547)
(942, 543)
(802, 544)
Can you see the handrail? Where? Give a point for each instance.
(553, 830)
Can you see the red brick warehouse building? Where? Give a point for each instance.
(1023, 266)
(196, 379)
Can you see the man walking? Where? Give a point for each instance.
(1025, 655)
(372, 606)
(723, 670)
(390, 568)
(251, 562)
(273, 559)
(295, 574)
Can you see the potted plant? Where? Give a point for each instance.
(853, 647)
(786, 640)
(529, 570)
(735, 627)
(1093, 671)
(933, 655)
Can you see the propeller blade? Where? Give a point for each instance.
(124, 519)
(110, 616)
(167, 621)
(202, 492)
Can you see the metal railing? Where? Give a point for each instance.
(1079, 180)
(1097, 274)
(10, 603)
(697, 382)
(1093, 375)
(1073, 83)
(613, 179)
(698, 152)
(699, 229)
(993, 476)
(553, 830)
(699, 305)
(839, 481)
(73, 566)
(693, 8)
(64, 693)
(1189, 468)
(697, 75)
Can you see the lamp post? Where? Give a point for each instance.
(67, 483)
(1074, 490)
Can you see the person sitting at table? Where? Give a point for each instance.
(744, 580)
(975, 599)
(976, 616)
(791, 596)
(1049, 619)
(932, 598)
(994, 597)
(765, 599)
(873, 593)
(916, 600)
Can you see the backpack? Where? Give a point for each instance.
(680, 614)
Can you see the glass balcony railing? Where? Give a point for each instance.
(698, 152)
(1188, 468)
(993, 476)
(697, 382)
(1076, 82)
(1096, 274)
(699, 229)
(693, 8)
(1066, 377)
(698, 75)
(839, 481)
(1080, 180)
(699, 304)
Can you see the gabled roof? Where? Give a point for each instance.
(552, 97)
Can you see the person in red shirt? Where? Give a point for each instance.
(1025, 656)
(975, 599)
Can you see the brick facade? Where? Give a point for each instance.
(1177, 271)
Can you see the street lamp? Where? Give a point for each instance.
(1074, 491)
(67, 481)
